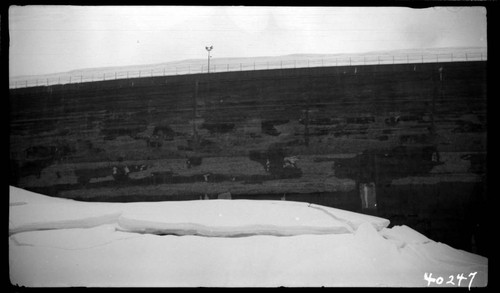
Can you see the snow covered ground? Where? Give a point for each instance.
(219, 243)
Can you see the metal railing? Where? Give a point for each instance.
(199, 67)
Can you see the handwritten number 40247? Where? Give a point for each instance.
(451, 279)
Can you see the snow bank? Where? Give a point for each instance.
(71, 239)
(229, 218)
(334, 248)
(354, 220)
(30, 211)
(18, 196)
(401, 235)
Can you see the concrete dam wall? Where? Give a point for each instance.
(376, 138)
(330, 92)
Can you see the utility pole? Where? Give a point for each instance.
(441, 83)
(306, 122)
(208, 50)
(195, 133)
(434, 96)
(208, 77)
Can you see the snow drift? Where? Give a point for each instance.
(59, 242)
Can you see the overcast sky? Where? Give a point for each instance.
(49, 39)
